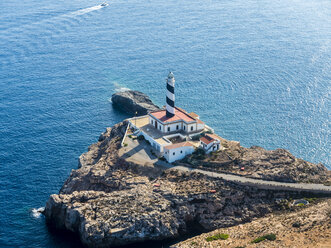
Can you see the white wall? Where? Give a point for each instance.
(173, 127)
(190, 126)
(201, 126)
(152, 122)
(154, 144)
(180, 153)
(209, 147)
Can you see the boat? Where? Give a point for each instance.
(104, 4)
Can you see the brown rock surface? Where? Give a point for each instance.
(306, 227)
(109, 201)
(276, 165)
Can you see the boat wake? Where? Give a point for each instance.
(83, 11)
(28, 38)
(37, 212)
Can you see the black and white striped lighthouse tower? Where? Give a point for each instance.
(170, 95)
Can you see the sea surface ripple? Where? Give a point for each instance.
(256, 71)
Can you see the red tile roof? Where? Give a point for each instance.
(206, 139)
(200, 121)
(194, 115)
(182, 144)
(180, 114)
(213, 136)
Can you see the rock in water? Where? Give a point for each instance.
(133, 101)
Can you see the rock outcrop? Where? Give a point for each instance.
(275, 165)
(109, 201)
(308, 227)
(133, 101)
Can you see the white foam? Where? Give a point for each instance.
(83, 11)
(119, 88)
(36, 212)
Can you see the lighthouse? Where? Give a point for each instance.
(170, 106)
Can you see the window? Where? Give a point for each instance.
(181, 151)
(177, 127)
(160, 127)
(152, 122)
(168, 129)
(192, 128)
(173, 153)
(184, 127)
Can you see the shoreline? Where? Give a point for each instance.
(110, 200)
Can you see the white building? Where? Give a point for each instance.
(169, 130)
(181, 121)
(177, 151)
(210, 143)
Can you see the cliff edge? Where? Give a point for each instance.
(109, 201)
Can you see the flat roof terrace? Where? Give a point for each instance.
(143, 124)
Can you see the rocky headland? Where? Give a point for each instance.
(133, 102)
(109, 201)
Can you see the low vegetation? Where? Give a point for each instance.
(218, 236)
(199, 154)
(270, 236)
(310, 200)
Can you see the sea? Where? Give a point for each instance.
(256, 71)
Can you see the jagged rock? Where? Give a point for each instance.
(133, 101)
(308, 227)
(108, 201)
(275, 165)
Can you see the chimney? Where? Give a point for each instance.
(170, 95)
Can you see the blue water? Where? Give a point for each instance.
(256, 71)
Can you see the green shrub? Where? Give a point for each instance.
(196, 137)
(328, 183)
(300, 204)
(199, 151)
(310, 200)
(162, 159)
(218, 236)
(130, 136)
(125, 144)
(296, 224)
(152, 152)
(270, 236)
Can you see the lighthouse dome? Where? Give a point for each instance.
(171, 75)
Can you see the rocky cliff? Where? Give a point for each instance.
(133, 101)
(306, 226)
(108, 201)
(256, 162)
